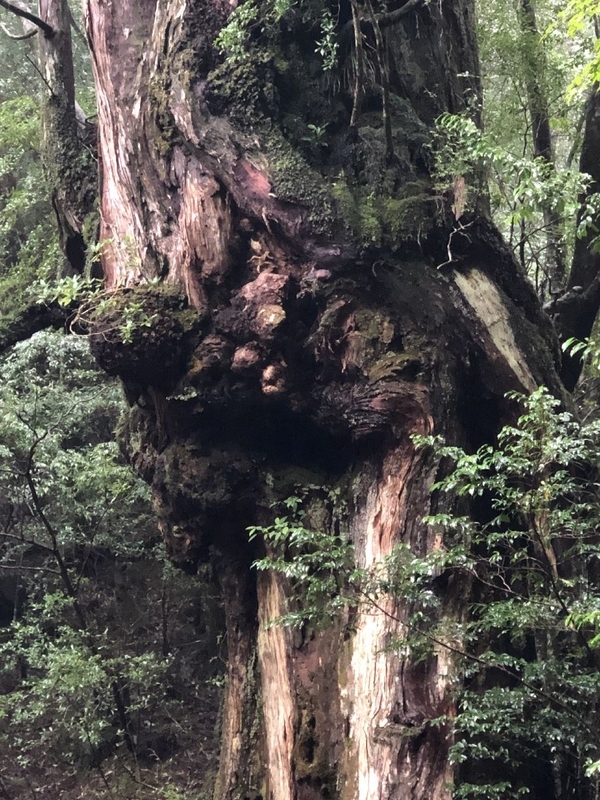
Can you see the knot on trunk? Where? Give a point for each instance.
(141, 335)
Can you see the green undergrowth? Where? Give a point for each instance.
(380, 220)
(93, 617)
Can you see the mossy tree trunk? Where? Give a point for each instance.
(317, 303)
(68, 144)
(70, 163)
(575, 312)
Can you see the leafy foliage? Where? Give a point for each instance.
(28, 240)
(89, 302)
(520, 187)
(315, 562)
(89, 653)
(522, 69)
(234, 40)
(579, 17)
(530, 659)
(528, 646)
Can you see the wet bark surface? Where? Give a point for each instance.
(301, 329)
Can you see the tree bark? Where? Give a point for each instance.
(300, 332)
(70, 164)
(539, 114)
(575, 312)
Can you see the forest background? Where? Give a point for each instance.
(112, 660)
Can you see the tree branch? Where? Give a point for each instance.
(31, 319)
(29, 542)
(20, 567)
(19, 37)
(383, 20)
(17, 9)
(386, 20)
(41, 74)
(76, 27)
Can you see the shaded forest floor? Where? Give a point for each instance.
(188, 772)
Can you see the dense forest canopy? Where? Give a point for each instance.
(299, 442)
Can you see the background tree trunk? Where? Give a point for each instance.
(320, 335)
(539, 114)
(576, 311)
(70, 164)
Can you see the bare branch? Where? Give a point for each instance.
(28, 542)
(20, 567)
(21, 11)
(19, 37)
(76, 27)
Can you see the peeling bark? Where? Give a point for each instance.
(279, 703)
(486, 303)
(290, 343)
(388, 701)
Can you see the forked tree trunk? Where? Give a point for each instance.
(322, 331)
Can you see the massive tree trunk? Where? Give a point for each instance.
(316, 304)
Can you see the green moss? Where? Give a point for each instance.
(70, 167)
(190, 57)
(15, 293)
(167, 132)
(144, 334)
(311, 758)
(90, 231)
(379, 219)
(20, 317)
(91, 225)
(393, 365)
(20, 312)
(295, 181)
